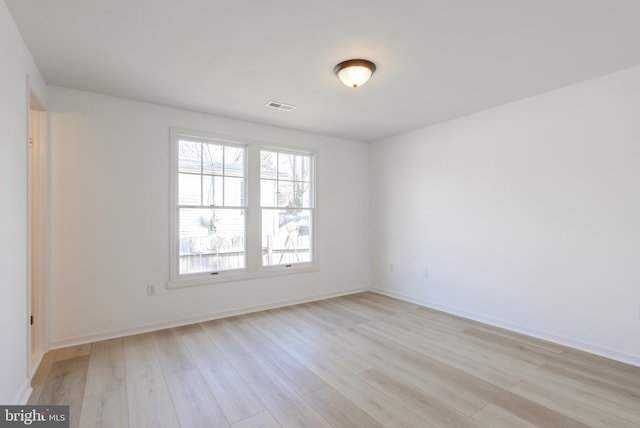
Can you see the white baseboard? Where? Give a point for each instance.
(145, 328)
(571, 343)
(23, 394)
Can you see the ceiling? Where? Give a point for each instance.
(436, 59)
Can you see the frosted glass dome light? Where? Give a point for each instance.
(355, 72)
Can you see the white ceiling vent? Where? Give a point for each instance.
(280, 106)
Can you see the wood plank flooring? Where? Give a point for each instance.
(363, 360)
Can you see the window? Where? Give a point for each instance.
(286, 200)
(210, 206)
(225, 194)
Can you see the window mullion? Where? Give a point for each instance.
(224, 174)
(202, 199)
(253, 210)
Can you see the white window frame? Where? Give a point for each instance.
(310, 208)
(253, 213)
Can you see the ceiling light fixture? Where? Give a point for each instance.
(355, 72)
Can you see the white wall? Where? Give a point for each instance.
(16, 65)
(110, 219)
(526, 215)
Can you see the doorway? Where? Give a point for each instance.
(38, 231)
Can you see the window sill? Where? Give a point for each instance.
(242, 275)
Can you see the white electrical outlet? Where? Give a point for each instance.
(151, 289)
(390, 267)
(425, 273)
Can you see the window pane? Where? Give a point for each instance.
(234, 161)
(212, 159)
(211, 240)
(268, 193)
(213, 190)
(268, 164)
(285, 166)
(286, 237)
(285, 194)
(233, 192)
(189, 156)
(189, 189)
(302, 195)
(303, 168)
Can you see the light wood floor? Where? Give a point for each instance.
(363, 360)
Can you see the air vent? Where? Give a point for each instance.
(280, 106)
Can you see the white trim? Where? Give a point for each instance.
(145, 328)
(242, 275)
(38, 156)
(538, 334)
(23, 395)
(29, 312)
